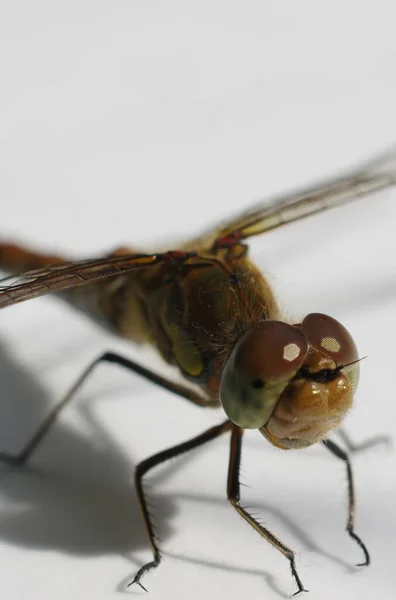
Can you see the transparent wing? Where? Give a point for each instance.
(371, 177)
(58, 278)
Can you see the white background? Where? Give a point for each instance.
(131, 122)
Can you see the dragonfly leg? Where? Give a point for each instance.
(110, 357)
(339, 453)
(369, 443)
(233, 493)
(153, 461)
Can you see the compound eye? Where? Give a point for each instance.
(271, 351)
(262, 363)
(327, 335)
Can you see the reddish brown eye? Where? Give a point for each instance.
(270, 351)
(327, 335)
(261, 365)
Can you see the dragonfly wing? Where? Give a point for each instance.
(58, 278)
(371, 177)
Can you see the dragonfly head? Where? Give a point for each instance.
(292, 382)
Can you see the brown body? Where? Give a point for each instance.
(191, 311)
(210, 312)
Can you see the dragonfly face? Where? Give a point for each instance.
(292, 382)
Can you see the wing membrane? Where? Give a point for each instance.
(58, 278)
(372, 177)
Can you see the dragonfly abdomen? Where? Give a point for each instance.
(15, 259)
(102, 301)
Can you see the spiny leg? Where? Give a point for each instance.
(369, 443)
(233, 493)
(153, 461)
(110, 357)
(339, 453)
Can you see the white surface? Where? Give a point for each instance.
(131, 122)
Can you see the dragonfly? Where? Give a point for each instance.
(209, 311)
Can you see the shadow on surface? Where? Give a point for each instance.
(306, 540)
(89, 506)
